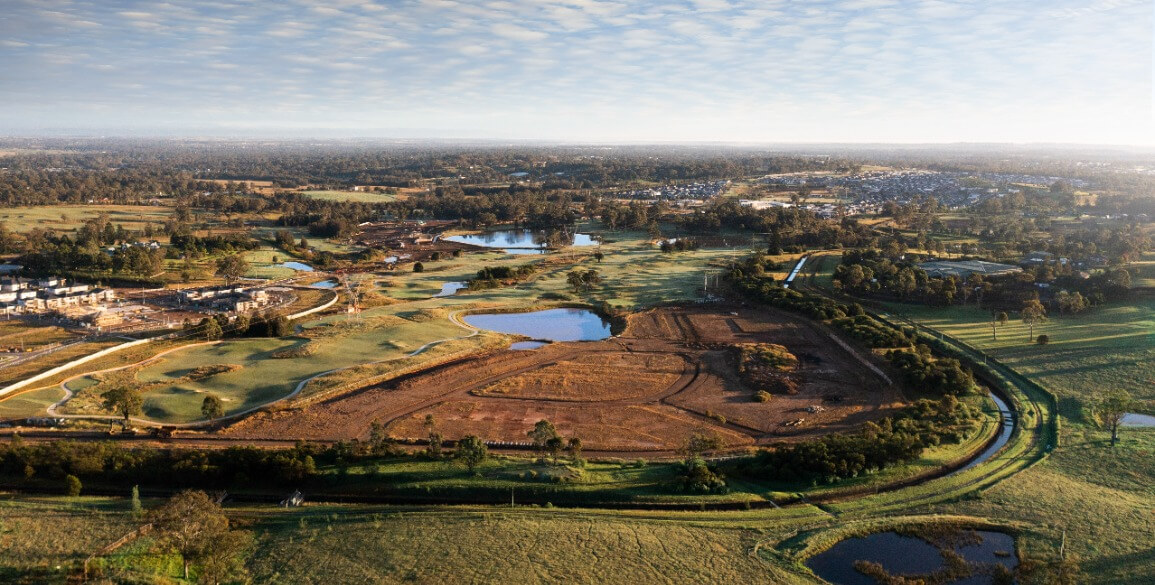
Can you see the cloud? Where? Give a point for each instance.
(517, 33)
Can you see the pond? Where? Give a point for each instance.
(519, 241)
(298, 266)
(547, 325)
(899, 554)
(1133, 419)
(324, 284)
(525, 345)
(1004, 435)
(450, 288)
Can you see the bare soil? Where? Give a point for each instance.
(670, 374)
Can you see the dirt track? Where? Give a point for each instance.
(627, 394)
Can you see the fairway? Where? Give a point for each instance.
(262, 376)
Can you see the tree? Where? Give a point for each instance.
(72, 485)
(699, 443)
(554, 446)
(192, 525)
(1110, 409)
(1033, 312)
(471, 452)
(136, 507)
(575, 449)
(418, 267)
(599, 256)
(999, 318)
(123, 400)
(210, 329)
(212, 408)
(232, 267)
(541, 434)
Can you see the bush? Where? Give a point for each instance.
(762, 396)
(1043, 339)
(72, 485)
(418, 267)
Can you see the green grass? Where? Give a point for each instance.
(1100, 496)
(355, 196)
(44, 539)
(492, 546)
(69, 217)
(262, 378)
(1112, 346)
(31, 403)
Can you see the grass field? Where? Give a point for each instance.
(1101, 497)
(262, 377)
(1110, 346)
(355, 196)
(42, 540)
(69, 217)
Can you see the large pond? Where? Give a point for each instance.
(898, 554)
(298, 266)
(520, 241)
(548, 325)
(1004, 434)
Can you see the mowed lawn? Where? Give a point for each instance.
(1111, 346)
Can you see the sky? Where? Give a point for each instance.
(1070, 71)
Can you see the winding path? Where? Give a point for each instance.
(454, 317)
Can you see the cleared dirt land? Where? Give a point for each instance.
(671, 374)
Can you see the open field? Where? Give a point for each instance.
(426, 547)
(1101, 496)
(684, 381)
(43, 539)
(1110, 346)
(63, 218)
(355, 196)
(29, 335)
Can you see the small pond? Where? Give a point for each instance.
(450, 288)
(550, 324)
(524, 345)
(298, 266)
(909, 555)
(324, 284)
(1004, 434)
(518, 241)
(1133, 419)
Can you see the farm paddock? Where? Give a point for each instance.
(672, 373)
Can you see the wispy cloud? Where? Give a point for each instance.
(704, 69)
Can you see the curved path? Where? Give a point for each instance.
(69, 394)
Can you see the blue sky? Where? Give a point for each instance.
(590, 70)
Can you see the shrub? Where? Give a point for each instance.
(1043, 339)
(72, 485)
(418, 267)
(762, 396)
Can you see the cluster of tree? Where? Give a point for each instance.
(110, 464)
(583, 280)
(495, 276)
(50, 254)
(679, 245)
(183, 241)
(939, 375)
(890, 441)
(255, 324)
